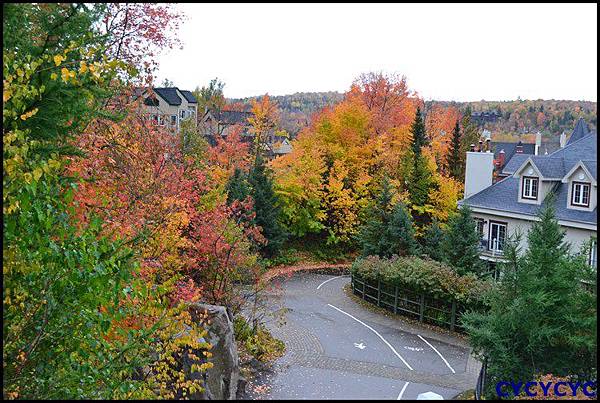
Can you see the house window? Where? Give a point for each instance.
(173, 120)
(530, 188)
(479, 225)
(497, 236)
(154, 119)
(161, 120)
(580, 194)
(182, 114)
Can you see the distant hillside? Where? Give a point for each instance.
(297, 109)
(551, 117)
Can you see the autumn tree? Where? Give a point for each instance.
(210, 97)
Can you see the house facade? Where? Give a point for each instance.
(169, 106)
(510, 205)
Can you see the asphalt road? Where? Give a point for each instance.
(336, 349)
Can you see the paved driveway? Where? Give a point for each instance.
(336, 349)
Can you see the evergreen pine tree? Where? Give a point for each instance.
(237, 186)
(266, 208)
(388, 230)
(454, 161)
(470, 135)
(421, 178)
(462, 241)
(540, 319)
(400, 230)
(433, 241)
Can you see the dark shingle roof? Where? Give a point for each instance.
(189, 96)
(592, 166)
(502, 196)
(510, 149)
(233, 117)
(580, 131)
(169, 94)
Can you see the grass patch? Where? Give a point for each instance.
(257, 342)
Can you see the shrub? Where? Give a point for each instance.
(258, 342)
(422, 275)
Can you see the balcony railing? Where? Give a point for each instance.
(486, 251)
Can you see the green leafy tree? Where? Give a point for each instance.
(433, 241)
(540, 319)
(462, 241)
(454, 161)
(210, 97)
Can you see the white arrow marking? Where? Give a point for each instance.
(374, 331)
(360, 345)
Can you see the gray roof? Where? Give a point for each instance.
(503, 196)
(233, 117)
(580, 131)
(189, 96)
(510, 149)
(169, 94)
(592, 166)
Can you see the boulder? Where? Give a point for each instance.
(222, 380)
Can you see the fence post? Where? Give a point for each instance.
(378, 292)
(422, 308)
(363, 287)
(453, 316)
(396, 300)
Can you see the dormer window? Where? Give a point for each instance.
(580, 194)
(530, 188)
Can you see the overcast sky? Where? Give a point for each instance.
(461, 52)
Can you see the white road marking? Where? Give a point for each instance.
(438, 353)
(402, 391)
(413, 348)
(326, 281)
(360, 345)
(374, 331)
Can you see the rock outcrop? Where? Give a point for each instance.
(223, 379)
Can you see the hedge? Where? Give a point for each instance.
(423, 276)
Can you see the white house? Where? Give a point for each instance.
(510, 205)
(169, 106)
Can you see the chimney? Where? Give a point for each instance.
(488, 144)
(480, 149)
(563, 139)
(472, 147)
(519, 148)
(478, 172)
(501, 156)
(538, 142)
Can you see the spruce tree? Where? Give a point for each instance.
(540, 319)
(454, 161)
(388, 230)
(378, 217)
(400, 230)
(421, 179)
(433, 241)
(266, 208)
(470, 135)
(237, 186)
(462, 241)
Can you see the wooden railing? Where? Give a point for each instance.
(410, 303)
